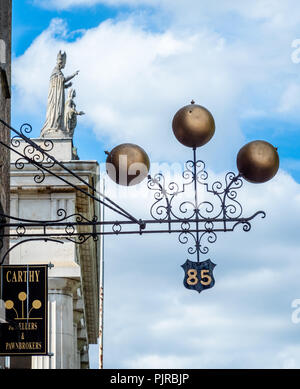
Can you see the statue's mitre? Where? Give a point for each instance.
(61, 57)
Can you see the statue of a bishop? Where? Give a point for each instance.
(54, 125)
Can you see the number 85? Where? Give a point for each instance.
(205, 278)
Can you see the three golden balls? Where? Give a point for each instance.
(193, 126)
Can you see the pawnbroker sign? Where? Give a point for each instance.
(24, 290)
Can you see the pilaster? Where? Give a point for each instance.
(61, 326)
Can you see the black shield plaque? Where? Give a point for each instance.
(24, 291)
(199, 275)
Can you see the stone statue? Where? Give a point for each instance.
(54, 125)
(71, 114)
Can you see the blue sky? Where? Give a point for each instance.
(140, 61)
(31, 18)
(30, 21)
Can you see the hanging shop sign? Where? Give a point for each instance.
(24, 291)
(195, 209)
(198, 275)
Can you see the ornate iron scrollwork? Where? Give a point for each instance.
(32, 155)
(222, 213)
(204, 211)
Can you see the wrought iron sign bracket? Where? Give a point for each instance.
(196, 211)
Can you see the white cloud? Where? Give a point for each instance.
(290, 100)
(243, 322)
(289, 357)
(67, 4)
(158, 362)
(133, 80)
(131, 83)
(270, 14)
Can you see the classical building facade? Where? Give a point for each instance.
(73, 306)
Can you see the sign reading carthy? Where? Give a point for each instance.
(24, 290)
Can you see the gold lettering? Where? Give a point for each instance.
(27, 326)
(7, 275)
(23, 276)
(37, 273)
(19, 276)
(23, 346)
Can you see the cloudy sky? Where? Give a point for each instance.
(140, 61)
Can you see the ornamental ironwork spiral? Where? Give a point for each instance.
(32, 154)
(200, 219)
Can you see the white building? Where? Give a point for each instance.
(73, 306)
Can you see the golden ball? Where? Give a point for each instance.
(193, 125)
(9, 304)
(258, 161)
(22, 296)
(36, 304)
(127, 164)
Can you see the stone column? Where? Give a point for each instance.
(78, 313)
(61, 330)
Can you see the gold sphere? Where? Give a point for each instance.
(22, 296)
(127, 164)
(36, 304)
(193, 125)
(258, 161)
(9, 304)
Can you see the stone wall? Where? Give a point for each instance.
(5, 102)
(5, 107)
